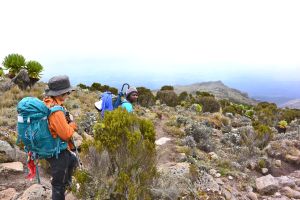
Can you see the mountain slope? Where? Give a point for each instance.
(295, 103)
(218, 89)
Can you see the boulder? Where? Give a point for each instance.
(213, 156)
(267, 184)
(77, 139)
(22, 79)
(6, 84)
(20, 155)
(289, 192)
(264, 171)
(162, 141)
(7, 153)
(70, 196)
(36, 192)
(252, 196)
(285, 181)
(8, 194)
(208, 183)
(277, 163)
(292, 159)
(227, 194)
(11, 167)
(295, 174)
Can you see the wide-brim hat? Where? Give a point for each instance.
(58, 85)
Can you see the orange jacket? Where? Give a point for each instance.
(58, 124)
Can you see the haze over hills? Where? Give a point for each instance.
(258, 86)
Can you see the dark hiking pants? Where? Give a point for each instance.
(61, 172)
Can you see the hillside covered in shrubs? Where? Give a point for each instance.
(174, 146)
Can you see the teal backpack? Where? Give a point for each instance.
(33, 128)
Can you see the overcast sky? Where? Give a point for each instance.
(211, 40)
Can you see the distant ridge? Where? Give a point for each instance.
(219, 89)
(295, 103)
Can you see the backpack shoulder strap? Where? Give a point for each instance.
(57, 108)
(127, 105)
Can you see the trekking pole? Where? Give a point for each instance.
(299, 132)
(36, 162)
(77, 154)
(38, 173)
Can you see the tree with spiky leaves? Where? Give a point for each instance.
(34, 69)
(13, 63)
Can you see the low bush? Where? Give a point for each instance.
(168, 97)
(122, 159)
(209, 104)
(146, 97)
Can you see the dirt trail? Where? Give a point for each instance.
(19, 182)
(166, 152)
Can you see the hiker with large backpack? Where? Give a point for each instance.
(47, 133)
(109, 102)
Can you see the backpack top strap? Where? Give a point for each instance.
(125, 84)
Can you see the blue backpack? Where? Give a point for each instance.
(33, 128)
(108, 102)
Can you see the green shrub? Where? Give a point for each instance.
(224, 167)
(122, 159)
(198, 108)
(240, 108)
(95, 87)
(264, 133)
(282, 124)
(183, 96)
(167, 87)
(104, 88)
(112, 90)
(234, 108)
(168, 97)
(229, 109)
(224, 103)
(146, 97)
(83, 86)
(261, 136)
(289, 114)
(204, 94)
(193, 172)
(267, 113)
(262, 163)
(218, 120)
(209, 104)
(173, 131)
(250, 114)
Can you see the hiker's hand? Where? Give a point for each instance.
(71, 118)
